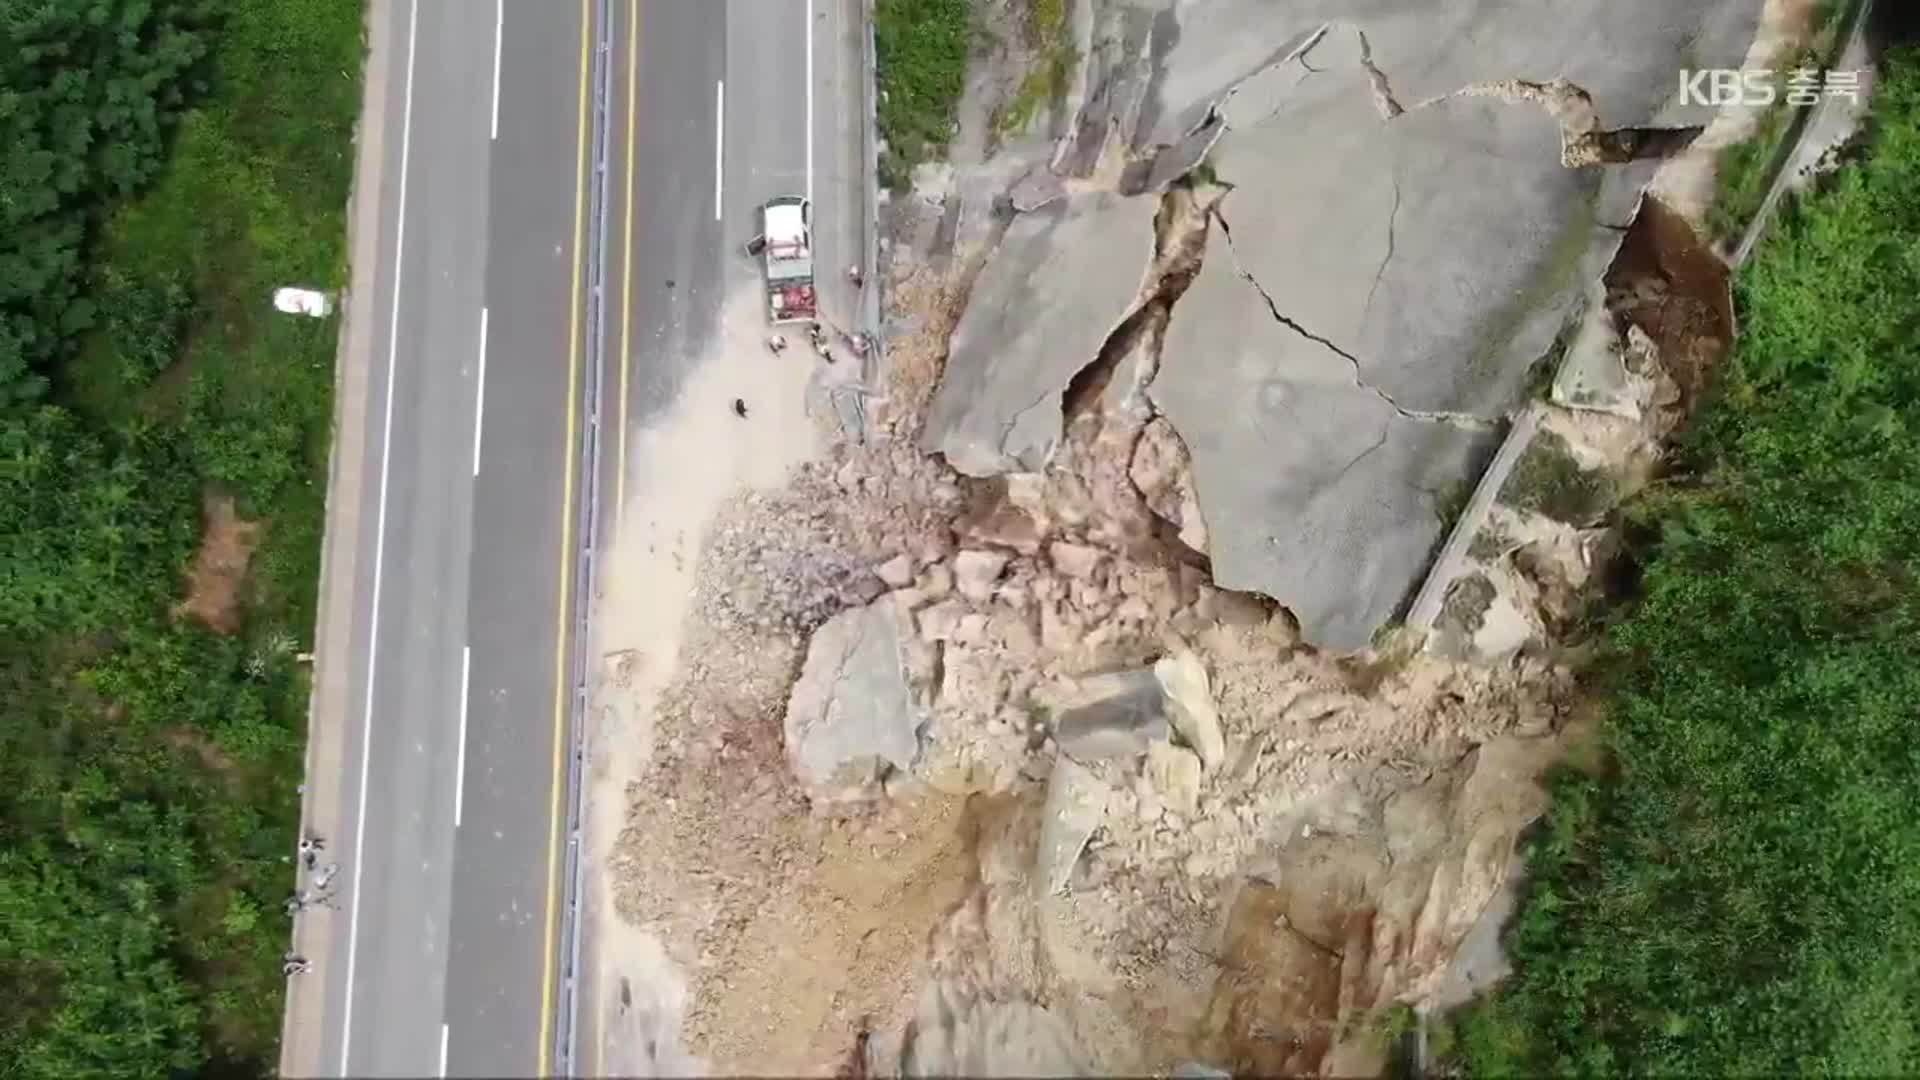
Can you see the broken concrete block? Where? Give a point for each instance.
(1075, 560)
(897, 572)
(1190, 705)
(1115, 715)
(1076, 804)
(849, 713)
(1062, 278)
(1174, 772)
(975, 572)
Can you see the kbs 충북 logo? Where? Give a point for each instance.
(1759, 86)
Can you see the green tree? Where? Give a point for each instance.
(89, 90)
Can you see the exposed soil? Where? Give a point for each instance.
(217, 578)
(1672, 286)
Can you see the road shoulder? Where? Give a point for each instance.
(302, 1032)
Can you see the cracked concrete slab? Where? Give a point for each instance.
(1415, 216)
(1317, 492)
(1063, 278)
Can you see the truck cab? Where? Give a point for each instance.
(786, 236)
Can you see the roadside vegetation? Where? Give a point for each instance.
(1744, 169)
(1735, 889)
(168, 163)
(1047, 31)
(921, 48)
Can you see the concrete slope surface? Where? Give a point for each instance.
(1419, 198)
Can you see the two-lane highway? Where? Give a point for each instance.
(438, 959)
(460, 521)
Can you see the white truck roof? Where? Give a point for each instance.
(785, 223)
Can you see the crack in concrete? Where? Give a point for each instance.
(1358, 458)
(1006, 430)
(1464, 420)
(1307, 46)
(1383, 99)
(1583, 141)
(1393, 216)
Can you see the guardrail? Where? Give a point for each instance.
(567, 1003)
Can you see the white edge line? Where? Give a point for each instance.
(719, 140)
(460, 758)
(443, 1049)
(809, 121)
(380, 541)
(480, 393)
(499, 32)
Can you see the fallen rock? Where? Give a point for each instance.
(897, 572)
(1076, 802)
(1174, 772)
(1002, 524)
(1115, 715)
(975, 572)
(941, 621)
(849, 712)
(1075, 560)
(937, 582)
(1190, 706)
(1162, 471)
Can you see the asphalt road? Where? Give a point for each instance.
(440, 958)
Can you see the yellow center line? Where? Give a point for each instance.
(560, 689)
(626, 262)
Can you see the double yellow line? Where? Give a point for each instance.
(561, 690)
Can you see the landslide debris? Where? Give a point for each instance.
(976, 761)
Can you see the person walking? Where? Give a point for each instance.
(777, 344)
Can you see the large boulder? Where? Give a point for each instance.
(850, 715)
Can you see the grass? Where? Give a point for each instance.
(922, 50)
(1048, 80)
(173, 753)
(1745, 169)
(1736, 890)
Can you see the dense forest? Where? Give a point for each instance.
(1737, 890)
(166, 164)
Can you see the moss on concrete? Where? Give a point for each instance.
(1548, 480)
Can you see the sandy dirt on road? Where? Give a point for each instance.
(682, 471)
